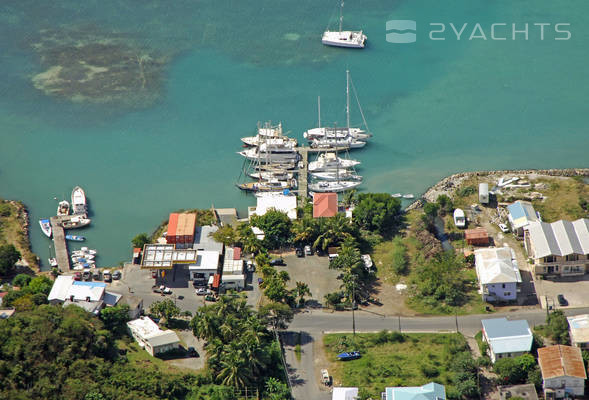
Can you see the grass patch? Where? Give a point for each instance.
(138, 356)
(298, 347)
(565, 199)
(394, 359)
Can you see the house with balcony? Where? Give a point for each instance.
(563, 371)
(560, 248)
(498, 274)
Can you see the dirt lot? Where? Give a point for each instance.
(315, 272)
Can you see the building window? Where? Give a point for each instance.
(503, 285)
(572, 257)
(505, 294)
(549, 259)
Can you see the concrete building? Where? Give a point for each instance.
(87, 295)
(520, 215)
(563, 371)
(484, 193)
(558, 249)
(165, 256)
(135, 304)
(526, 392)
(498, 274)
(324, 205)
(344, 393)
(151, 337)
(274, 201)
(507, 338)
(206, 265)
(226, 216)
(579, 331)
(430, 391)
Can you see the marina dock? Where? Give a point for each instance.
(60, 245)
(303, 172)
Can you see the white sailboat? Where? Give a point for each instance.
(340, 38)
(272, 150)
(339, 143)
(330, 161)
(335, 132)
(269, 175)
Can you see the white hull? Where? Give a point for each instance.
(335, 176)
(340, 186)
(269, 175)
(333, 133)
(255, 155)
(45, 227)
(329, 161)
(335, 143)
(350, 39)
(78, 201)
(63, 208)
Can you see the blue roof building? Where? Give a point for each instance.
(431, 391)
(521, 213)
(507, 338)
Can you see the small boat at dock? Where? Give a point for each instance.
(63, 208)
(53, 262)
(45, 227)
(397, 195)
(408, 196)
(75, 238)
(77, 221)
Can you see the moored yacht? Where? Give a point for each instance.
(330, 161)
(266, 132)
(63, 208)
(78, 201)
(342, 144)
(268, 186)
(341, 38)
(335, 175)
(338, 186)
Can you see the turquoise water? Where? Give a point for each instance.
(435, 107)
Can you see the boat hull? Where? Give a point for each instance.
(348, 39)
(336, 187)
(46, 227)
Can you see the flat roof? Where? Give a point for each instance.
(430, 391)
(507, 336)
(148, 331)
(521, 213)
(206, 260)
(204, 241)
(161, 255)
(276, 201)
(579, 328)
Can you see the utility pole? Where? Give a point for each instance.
(353, 306)
(456, 316)
(399, 317)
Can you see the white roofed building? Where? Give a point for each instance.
(498, 273)
(579, 331)
(277, 201)
(560, 248)
(207, 264)
(151, 337)
(91, 296)
(344, 393)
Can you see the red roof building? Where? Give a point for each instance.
(324, 205)
(477, 237)
(181, 228)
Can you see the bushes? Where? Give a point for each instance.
(514, 371)
(399, 259)
(466, 191)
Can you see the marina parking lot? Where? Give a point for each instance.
(574, 289)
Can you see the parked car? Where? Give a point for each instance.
(251, 266)
(96, 275)
(503, 228)
(107, 275)
(308, 250)
(299, 252)
(277, 261)
(562, 301)
(191, 352)
(78, 276)
(165, 289)
(154, 274)
(86, 275)
(201, 292)
(199, 283)
(116, 275)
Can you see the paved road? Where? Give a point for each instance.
(313, 324)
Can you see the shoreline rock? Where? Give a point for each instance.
(450, 183)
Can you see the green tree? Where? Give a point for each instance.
(140, 240)
(9, 255)
(333, 231)
(276, 390)
(333, 299)
(302, 290)
(378, 212)
(430, 213)
(442, 280)
(39, 284)
(115, 319)
(515, 370)
(445, 204)
(276, 226)
(21, 280)
(165, 309)
(226, 235)
(558, 327)
(277, 315)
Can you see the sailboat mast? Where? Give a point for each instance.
(341, 15)
(319, 111)
(348, 100)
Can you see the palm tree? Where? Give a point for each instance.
(233, 372)
(334, 231)
(301, 291)
(205, 325)
(350, 197)
(306, 230)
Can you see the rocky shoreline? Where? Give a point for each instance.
(29, 259)
(448, 184)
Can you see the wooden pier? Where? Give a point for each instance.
(303, 172)
(60, 244)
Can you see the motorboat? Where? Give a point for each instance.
(45, 227)
(336, 132)
(269, 175)
(459, 218)
(77, 221)
(75, 238)
(274, 150)
(334, 175)
(53, 262)
(337, 186)
(79, 201)
(408, 196)
(341, 38)
(268, 186)
(397, 195)
(330, 161)
(63, 208)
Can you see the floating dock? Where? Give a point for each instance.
(60, 245)
(303, 172)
